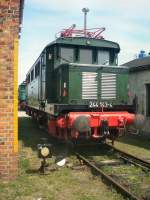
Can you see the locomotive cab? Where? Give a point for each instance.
(85, 54)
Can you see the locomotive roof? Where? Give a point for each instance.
(89, 42)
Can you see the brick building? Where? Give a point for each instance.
(10, 20)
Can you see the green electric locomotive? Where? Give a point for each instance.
(76, 88)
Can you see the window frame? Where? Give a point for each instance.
(32, 74)
(37, 69)
(103, 50)
(89, 49)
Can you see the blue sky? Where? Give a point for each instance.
(127, 22)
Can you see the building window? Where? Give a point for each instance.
(32, 75)
(148, 100)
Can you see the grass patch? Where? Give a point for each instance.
(136, 145)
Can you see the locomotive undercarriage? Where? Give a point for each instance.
(89, 125)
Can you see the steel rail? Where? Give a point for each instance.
(143, 162)
(119, 187)
(134, 163)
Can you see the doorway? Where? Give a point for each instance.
(148, 100)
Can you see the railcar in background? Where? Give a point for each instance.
(22, 96)
(76, 89)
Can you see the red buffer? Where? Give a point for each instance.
(90, 124)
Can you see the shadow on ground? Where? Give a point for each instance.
(136, 140)
(31, 135)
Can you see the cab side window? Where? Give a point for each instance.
(32, 75)
(37, 69)
(86, 56)
(66, 55)
(103, 57)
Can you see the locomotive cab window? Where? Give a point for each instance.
(32, 75)
(37, 69)
(94, 56)
(103, 57)
(86, 56)
(76, 52)
(57, 50)
(66, 55)
(28, 79)
(43, 59)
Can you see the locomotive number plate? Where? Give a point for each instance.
(96, 104)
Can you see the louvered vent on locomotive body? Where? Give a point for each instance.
(89, 85)
(108, 86)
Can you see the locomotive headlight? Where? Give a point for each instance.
(44, 150)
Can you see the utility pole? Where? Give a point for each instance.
(85, 11)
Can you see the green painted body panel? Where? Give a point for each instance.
(122, 87)
(75, 85)
(72, 75)
(51, 89)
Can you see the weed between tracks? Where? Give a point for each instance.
(131, 177)
(138, 145)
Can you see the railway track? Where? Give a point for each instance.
(130, 162)
(131, 158)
